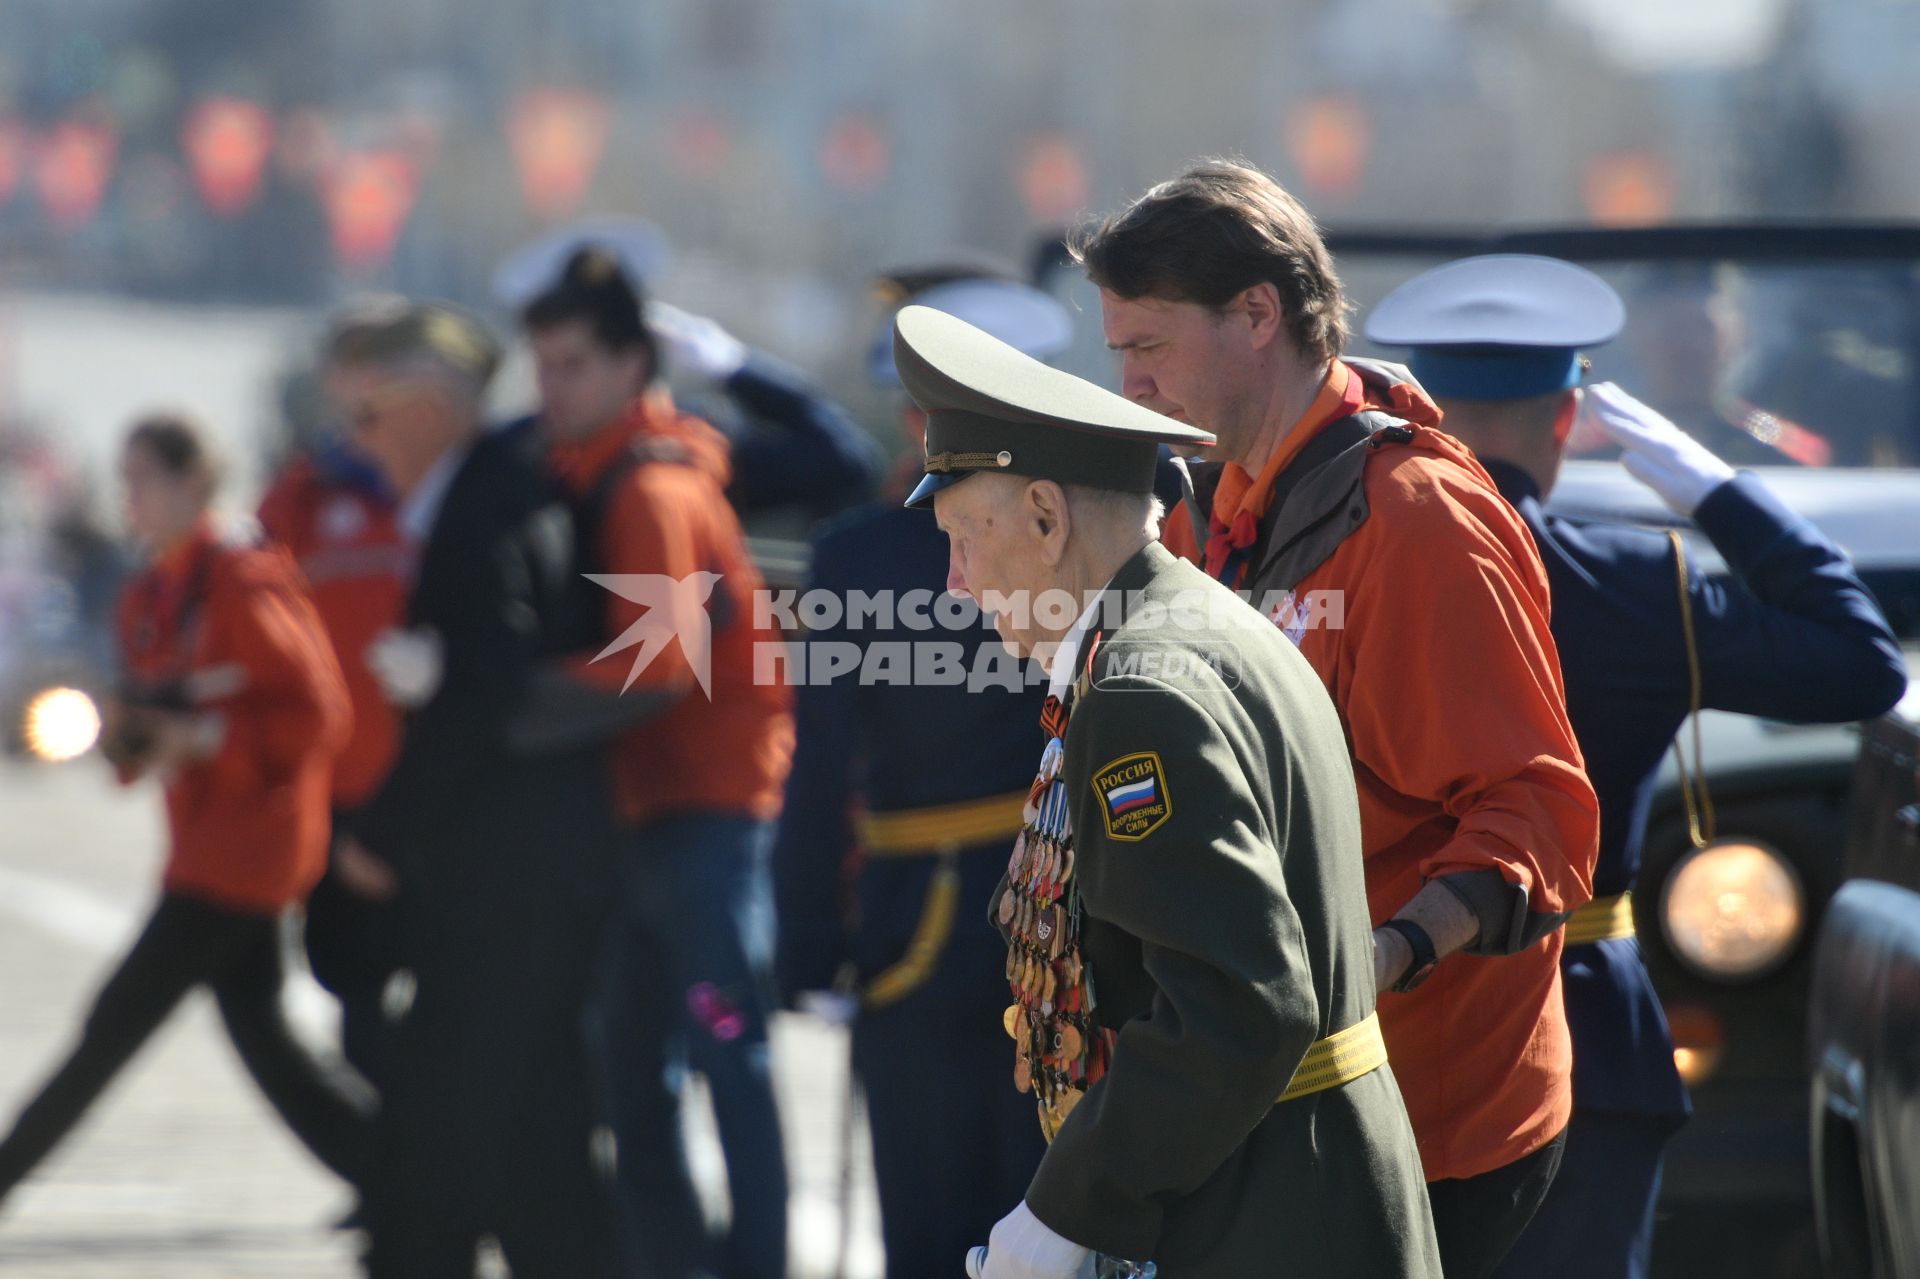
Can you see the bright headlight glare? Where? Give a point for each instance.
(1733, 910)
(61, 724)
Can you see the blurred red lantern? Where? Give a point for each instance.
(72, 167)
(1053, 181)
(369, 195)
(227, 141)
(1328, 140)
(855, 154)
(557, 137)
(13, 158)
(1628, 188)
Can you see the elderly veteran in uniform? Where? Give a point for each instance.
(1794, 636)
(1188, 942)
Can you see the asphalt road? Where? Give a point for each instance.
(182, 1171)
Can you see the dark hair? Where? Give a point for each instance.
(178, 444)
(595, 290)
(1211, 233)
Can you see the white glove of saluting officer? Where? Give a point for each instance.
(1023, 1247)
(1656, 452)
(695, 343)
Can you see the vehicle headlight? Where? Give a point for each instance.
(1733, 910)
(61, 724)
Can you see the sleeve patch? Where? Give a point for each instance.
(1133, 795)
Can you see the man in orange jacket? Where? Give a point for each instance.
(1387, 555)
(696, 782)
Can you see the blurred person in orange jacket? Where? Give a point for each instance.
(332, 510)
(234, 701)
(1387, 554)
(686, 977)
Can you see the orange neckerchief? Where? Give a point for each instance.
(578, 463)
(1241, 501)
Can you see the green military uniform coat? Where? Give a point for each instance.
(1226, 929)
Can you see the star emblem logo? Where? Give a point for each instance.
(675, 610)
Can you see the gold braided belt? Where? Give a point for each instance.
(923, 832)
(1602, 919)
(1340, 1058)
(936, 831)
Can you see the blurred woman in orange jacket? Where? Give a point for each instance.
(233, 698)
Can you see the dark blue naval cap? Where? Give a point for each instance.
(1503, 326)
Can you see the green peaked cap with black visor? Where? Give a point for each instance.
(991, 408)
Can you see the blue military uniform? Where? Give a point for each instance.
(1794, 635)
(816, 455)
(903, 801)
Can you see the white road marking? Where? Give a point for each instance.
(62, 911)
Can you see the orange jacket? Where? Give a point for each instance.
(233, 629)
(728, 752)
(358, 566)
(1447, 679)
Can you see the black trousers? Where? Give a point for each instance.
(487, 1112)
(1478, 1219)
(188, 943)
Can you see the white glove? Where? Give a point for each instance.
(830, 1006)
(408, 664)
(1657, 453)
(1023, 1247)
(696, 343)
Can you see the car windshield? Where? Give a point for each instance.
(1788, 363)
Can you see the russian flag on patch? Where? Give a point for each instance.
(1124, 799)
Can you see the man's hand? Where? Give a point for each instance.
(1392, 956)
(1656, 452)
(1023, 1247)
(695, 343)
(409, 665)
(362, 873)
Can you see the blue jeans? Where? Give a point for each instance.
(685, 982)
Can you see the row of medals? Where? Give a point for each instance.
(1058, 1052)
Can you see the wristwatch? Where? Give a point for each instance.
(1424, 957)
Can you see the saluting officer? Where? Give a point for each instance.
(1794, 636)
(1188, 942)
(953, 1143)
